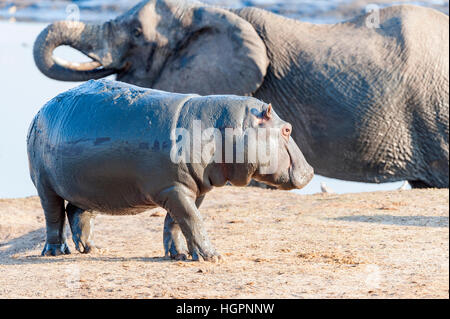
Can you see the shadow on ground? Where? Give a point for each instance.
(35, 238)
(22, 243)
(75, 257)
(421, 221)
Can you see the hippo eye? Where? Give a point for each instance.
(286, 131)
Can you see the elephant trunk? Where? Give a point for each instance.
(74, 34)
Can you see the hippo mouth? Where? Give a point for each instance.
(298, 178)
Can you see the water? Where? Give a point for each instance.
(93, 10)
(317, 11)
(23, 89)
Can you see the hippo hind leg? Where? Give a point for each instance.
(174, 242)
(55, 218)
(82, 226)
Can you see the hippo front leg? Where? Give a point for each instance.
(180, 204)
(173, 238)
(174, 241)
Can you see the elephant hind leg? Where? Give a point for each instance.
(82, 226)
(419, 184)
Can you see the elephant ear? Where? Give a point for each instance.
(222, 55)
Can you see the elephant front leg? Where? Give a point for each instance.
(181, 205)
(82, 226)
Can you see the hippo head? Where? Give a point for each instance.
(279, 161)
(242, 139)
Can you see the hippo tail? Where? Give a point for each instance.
(32, 129)
(31, 147)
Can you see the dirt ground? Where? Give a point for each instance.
(276, 245)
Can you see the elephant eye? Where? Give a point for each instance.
(137, 32)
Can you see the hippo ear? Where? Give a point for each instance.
(262, 117)
(268, 112)
(223, 55)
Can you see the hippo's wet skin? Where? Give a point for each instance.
(105, 146)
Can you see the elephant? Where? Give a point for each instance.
(368, 102)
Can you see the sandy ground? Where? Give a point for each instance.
(276, 245)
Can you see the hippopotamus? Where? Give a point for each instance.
(110, 147)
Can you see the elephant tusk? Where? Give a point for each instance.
(83, 66)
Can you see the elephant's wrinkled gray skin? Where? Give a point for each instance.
(367, 104)
(106, 146)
